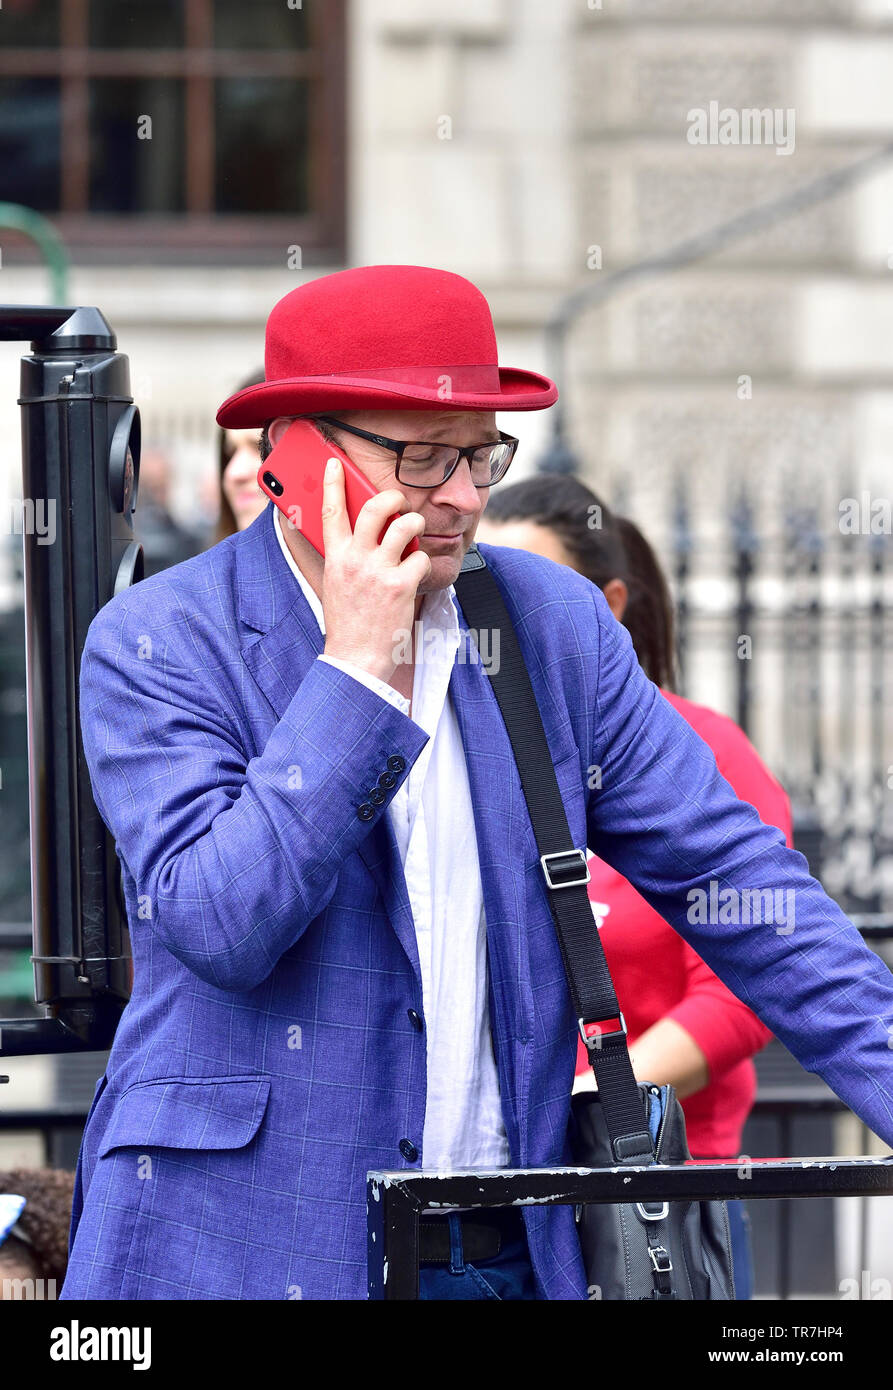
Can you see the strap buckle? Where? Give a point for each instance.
(660, 1259)
(660, 1215)
(566, 865)
(593, 1030)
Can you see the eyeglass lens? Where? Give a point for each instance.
(423, 462)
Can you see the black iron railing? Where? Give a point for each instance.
(396, 1200)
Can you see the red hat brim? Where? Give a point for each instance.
(518, 390)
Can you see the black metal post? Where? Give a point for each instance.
(80, 438)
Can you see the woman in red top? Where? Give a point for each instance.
(684, 1026)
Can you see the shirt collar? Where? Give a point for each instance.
(309, 593)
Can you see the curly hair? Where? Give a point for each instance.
(45, 1219)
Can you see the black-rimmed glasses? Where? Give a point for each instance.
(423, 463)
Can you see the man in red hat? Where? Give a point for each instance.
(344, 954)
(326, 345)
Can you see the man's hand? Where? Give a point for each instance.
(368, 592)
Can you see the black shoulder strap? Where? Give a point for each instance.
(564, 868)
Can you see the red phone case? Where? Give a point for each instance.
(292, 476)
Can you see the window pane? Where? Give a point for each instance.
(137, 23)
(262, 143)
(29, 142)
(136, 145)
(29, 23)
(260, 24)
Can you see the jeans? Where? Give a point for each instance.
(508, 1275)
(742, 1259)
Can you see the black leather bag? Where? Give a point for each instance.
(645, 1250)
(662, 1250)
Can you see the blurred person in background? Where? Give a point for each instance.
(35, 1212)
(685, 1026)
(165, 542)
(238, 456)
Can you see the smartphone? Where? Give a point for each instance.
(292, 475)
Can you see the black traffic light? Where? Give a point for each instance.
(80, 459)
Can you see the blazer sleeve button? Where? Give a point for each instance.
(408, 1150)
(387, 779)
(415, 1019)
(365, 811)
(376, 796)
(396, 763)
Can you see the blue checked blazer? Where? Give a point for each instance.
(267, 1060)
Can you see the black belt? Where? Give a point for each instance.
(483, 1234)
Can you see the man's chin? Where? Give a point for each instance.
(444, 569)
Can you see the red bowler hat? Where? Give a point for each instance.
(384, 337)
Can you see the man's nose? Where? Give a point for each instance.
(458, 491)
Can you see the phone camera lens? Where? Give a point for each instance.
(273, 484)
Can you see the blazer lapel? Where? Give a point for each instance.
(281, 641)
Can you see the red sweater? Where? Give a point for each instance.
(657, 975)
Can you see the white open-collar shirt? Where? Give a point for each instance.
(433, 821)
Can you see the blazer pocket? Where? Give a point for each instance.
(216, 1113)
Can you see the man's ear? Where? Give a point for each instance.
(617, 594)
(277, 428)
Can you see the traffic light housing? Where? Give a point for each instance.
(80, 463)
